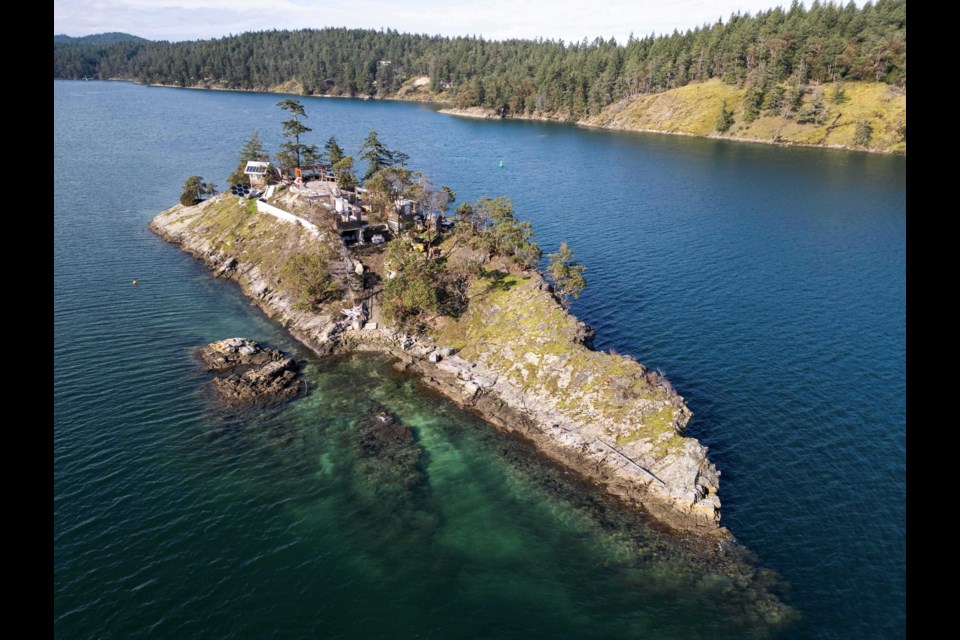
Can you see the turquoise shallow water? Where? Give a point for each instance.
(768, 283)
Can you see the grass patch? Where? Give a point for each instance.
(693, 109)
(519, 331)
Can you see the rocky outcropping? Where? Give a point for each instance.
(254, 374)
(516, 358)
(678, 487)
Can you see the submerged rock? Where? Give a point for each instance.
(254, 374)
(389, 458)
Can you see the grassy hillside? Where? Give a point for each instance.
(693, 109)
(514, 326)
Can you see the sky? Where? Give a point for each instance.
(569, 20)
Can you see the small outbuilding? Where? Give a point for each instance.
(257, 172)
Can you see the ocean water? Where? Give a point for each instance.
(768, 284)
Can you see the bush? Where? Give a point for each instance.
(191, 191)
(305, 276)
(412, 294)
(194, 189)
(863, 133)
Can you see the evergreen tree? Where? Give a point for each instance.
(344, 171)
(392, 183)
(568, 280)
(823, 44)
(814, 113)
(795, 98)
(724, 118)
(752, 104)
(375, 153)
(398, 158)
(773, 102)
(252, 149)
(508, 236)
(839, 94)
(195, 189)
(293, 128)
(332, 153)
(863, 133)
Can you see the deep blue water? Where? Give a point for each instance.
(769, 284)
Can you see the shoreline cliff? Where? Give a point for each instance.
(516, 357)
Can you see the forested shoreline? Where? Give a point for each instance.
(825, 43)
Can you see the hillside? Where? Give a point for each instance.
(694, 110)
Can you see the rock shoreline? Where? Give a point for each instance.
(678, 489)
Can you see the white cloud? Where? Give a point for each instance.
(570, 20)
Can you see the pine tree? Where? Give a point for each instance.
(724, 118)
(375, 153)
(191, 189)
(252, 149)
(839, 94)
(863, 133)
(752, 103)
(814, 113)
(293, 128)
(568, 280)
(344, 170)
(773, 103)
(795, 98)
(332, 153)
(195, 189)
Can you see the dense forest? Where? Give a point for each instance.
(823, 43)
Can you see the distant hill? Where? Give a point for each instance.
(97, 39)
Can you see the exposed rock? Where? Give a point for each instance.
(256, 374)
(228, 265)
(233, 352)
